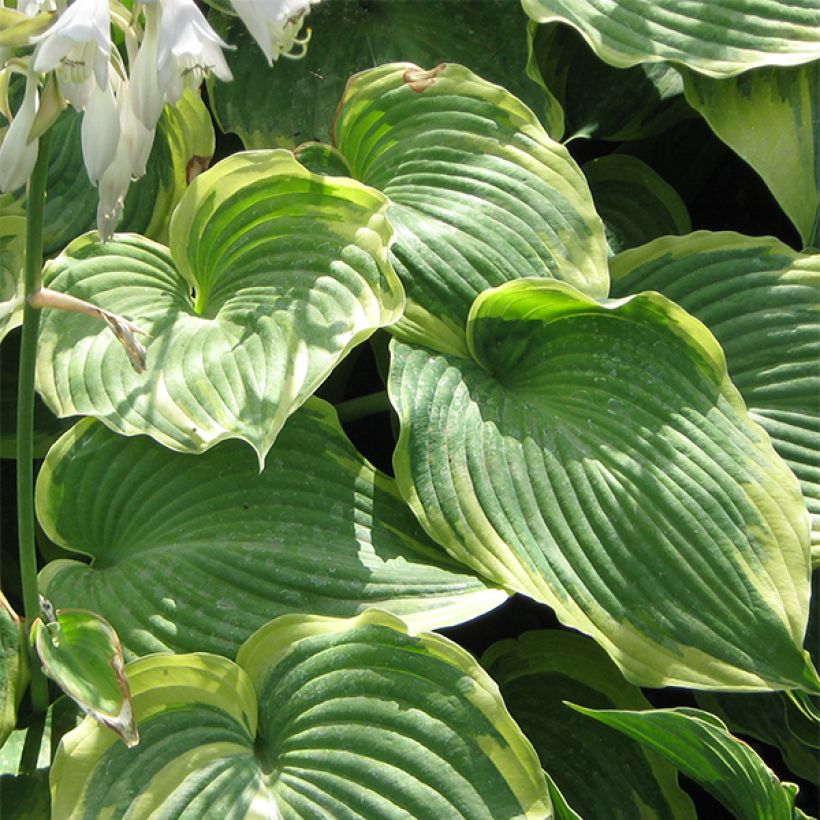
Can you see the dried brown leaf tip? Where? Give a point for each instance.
(420, 80)
(125, 332)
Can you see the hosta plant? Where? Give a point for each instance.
(427, 416)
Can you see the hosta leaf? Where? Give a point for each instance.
(82, 653)
(702, 748)
(541, 670)
(634, 202)
(480, 193)
(12, 253)
(47, 427)
(13, 667)
(24, 795)
(760, 299)
(196, 552)
(183, 145)
(596, 457)
(356, 719)
(289, 272)
(772, 716)
(771, 117)
(720, 39)
(601, 101)
(295, 102)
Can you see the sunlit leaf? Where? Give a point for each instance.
(196, 552)
(596, 457)
(702, 748)
(760, 299)
(541, 670)
(288, 270)
(12, 253)
(82, 653)
(318, 718)
(480, 193)
(771, 117)
(720, 39)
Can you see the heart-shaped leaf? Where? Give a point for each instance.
(480, 193)
(720, 39)
(13, 667)
(771, 117)
(759, 298)
(702, 748)
(289, 271)
(197, 552)
(292, 102)
(600, 101)
(635, 203)
(318, 718)
(596, 457)
(81, 651)
(541, 670)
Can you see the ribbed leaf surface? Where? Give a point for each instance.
(771, 117)
(12, 254)
(356, 719)
(481, 194)
(635, 203)
(13, 666)
(762, 302)
(294, 102)
(702, 748)
(541, 670)
(600, 101)
(597, 458)
(288, 270)
(720, 38)
(196, 552)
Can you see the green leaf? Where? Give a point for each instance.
(24, 792)
(596, 457)
(720, 39)
(82, 652)
(295, 101)
(771, 118)
(480, 193)
(318, 718)
(289, 271)
(773, 717)
(598, 100)
(635, 203)
(183, 145)
(196, 552)
(47, 427)
(12, 254)
(536, 674)
(13, 667)
(702, 748)
(759, 298)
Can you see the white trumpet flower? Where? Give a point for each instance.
(274, 24)
(78, 46)
(17, 155)
(100, 131)
(188, 49)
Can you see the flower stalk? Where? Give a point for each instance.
(25, 415)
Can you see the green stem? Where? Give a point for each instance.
(363, 406)
(25, 415)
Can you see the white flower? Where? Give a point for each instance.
(100, 131)
(78, 45)
(187, 50)
(17, 154)
(274, 24)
